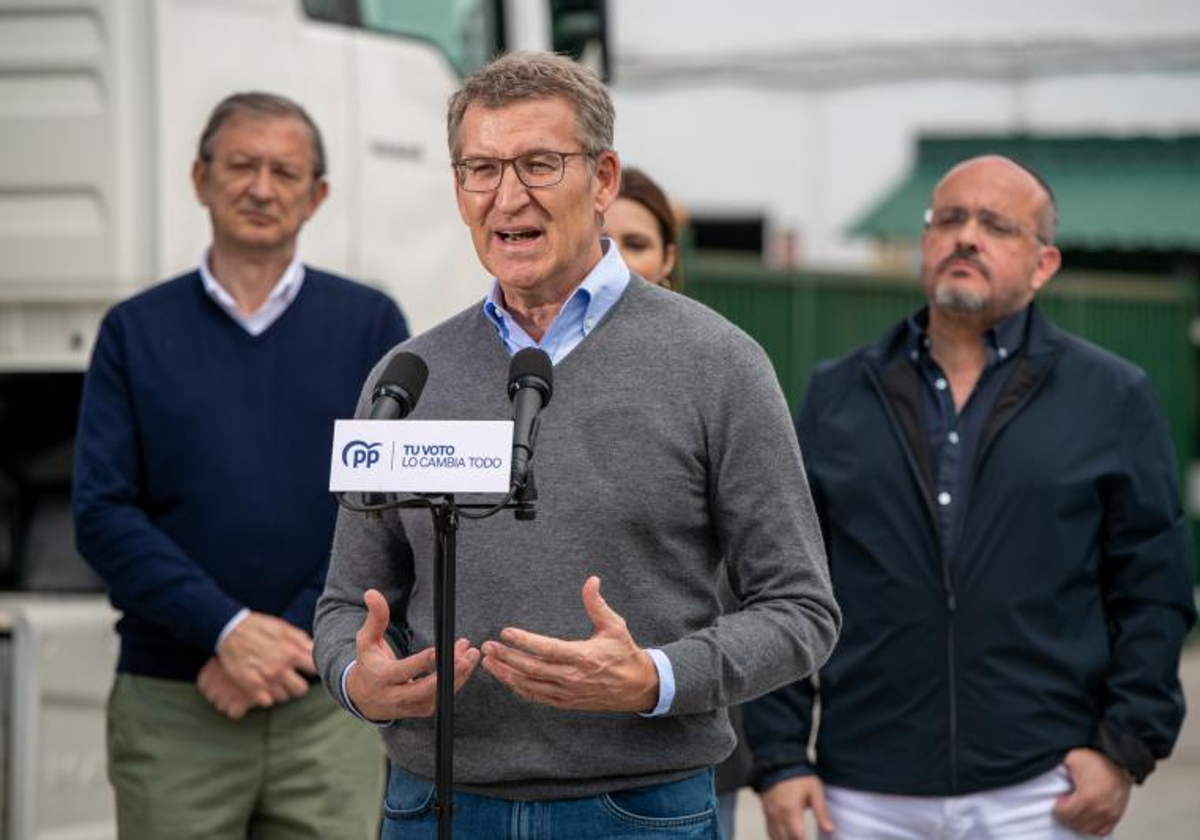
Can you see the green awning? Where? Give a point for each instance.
(1125, 194)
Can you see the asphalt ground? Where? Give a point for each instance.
(1166, 807)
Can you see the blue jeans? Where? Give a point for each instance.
(683, 809)
(727, 813)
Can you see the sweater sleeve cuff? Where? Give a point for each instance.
(211, 622)
(344, 696)
(1126, 750)
(770, 778)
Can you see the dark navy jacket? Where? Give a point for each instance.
(1056, 624)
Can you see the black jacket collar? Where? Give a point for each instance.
(898, 384)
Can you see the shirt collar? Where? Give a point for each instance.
(580, 313)
(1004, 339)
(283, 292)
(1009, 333)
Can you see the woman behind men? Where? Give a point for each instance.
(644, 227)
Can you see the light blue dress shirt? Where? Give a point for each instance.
(582, 311)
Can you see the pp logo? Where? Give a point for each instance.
(359, 453)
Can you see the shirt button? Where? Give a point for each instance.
(914, 355)
(940, 384)
(1002, 353)
(587, 325)
(952, 437)
(943, 498)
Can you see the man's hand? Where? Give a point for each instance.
(1100, 796)
(607, 672)
(784, 804)
(266, 657)
(219, 689)
(383, 687)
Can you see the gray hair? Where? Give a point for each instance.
(520, 76)
(263, 105)
(1048, 214)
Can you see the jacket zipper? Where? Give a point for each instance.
(951, 676)
(947, 582)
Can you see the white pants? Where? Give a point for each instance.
(1018, 812)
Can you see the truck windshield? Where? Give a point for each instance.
(472, 32)
(465, 30)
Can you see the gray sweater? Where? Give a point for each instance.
(667, 446)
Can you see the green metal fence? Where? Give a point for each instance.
(802, 318)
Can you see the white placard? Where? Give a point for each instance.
(421, 456)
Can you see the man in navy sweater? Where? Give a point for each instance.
(200, 497)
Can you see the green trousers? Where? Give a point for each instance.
(182, 770)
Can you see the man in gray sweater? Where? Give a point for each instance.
(666, 449)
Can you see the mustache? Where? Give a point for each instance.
(967, 255)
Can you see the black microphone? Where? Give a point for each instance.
(530, 378)
(399, 387)
(396, 393)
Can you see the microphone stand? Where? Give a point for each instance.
(445, 518)
(447, 514)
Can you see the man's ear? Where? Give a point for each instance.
(1048, 263)
(608, 180)
(320, 192)
(199, 173)
(460, 198)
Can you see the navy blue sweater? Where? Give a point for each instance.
(202, 459)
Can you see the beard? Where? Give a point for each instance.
(948, 295)
(962, 301)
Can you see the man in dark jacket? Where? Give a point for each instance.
(1000, 504)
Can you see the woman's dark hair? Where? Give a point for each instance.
(637, 186)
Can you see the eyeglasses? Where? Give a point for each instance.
(947, 219)
(535, 169)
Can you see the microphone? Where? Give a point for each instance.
(396, 393)
(530, 375)
(399, 387)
